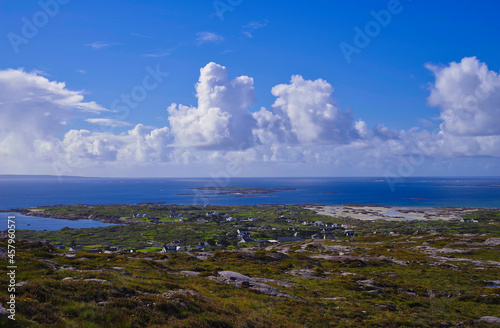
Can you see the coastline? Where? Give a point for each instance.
(363, 212)
(70, 217)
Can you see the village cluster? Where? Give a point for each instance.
(316, 230)
(171, 229)
(242, 232)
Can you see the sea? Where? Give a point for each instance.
(33, 191)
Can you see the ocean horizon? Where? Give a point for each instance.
(33, 191)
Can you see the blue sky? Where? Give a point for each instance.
(102, 50)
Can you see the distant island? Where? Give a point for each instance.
(242, 190)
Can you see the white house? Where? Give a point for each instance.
(168, 249)
(350, 233)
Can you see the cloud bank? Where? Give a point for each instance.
(303, 129)
(34, 109)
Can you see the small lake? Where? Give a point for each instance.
(24, 222)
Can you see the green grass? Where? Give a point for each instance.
(423, 293)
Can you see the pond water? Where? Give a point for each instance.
(24, 222)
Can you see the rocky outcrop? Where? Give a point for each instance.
(239, 280)
(186, 292)
(277, 256)
(306, 273)
(492, 242)
(3, 311)
(90, 280)
(53, 264)
(189, 273)
(490, 319)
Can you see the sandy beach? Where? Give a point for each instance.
(375, 212)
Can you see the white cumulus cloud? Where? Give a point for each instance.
(306, 110)
(221, 120)
(301, 132)
(468, 94)
(34, 108)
